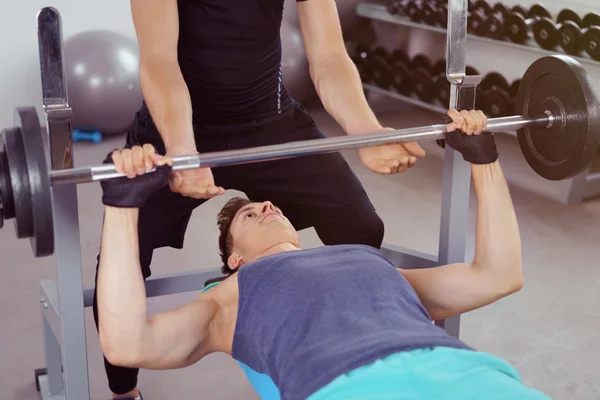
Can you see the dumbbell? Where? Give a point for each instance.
(495, 21)
(400, 73)
(495, 93)
(571, 36)
(421, 72)
(519, 21)
(80, 135)
(476, 24)
(546, 33)
(591, 38)
(380, 68)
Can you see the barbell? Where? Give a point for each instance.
(558, 129)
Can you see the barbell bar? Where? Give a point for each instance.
(297, 149)
(558, 127)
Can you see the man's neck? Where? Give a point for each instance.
(279, 248)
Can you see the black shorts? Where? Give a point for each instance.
(310, 190)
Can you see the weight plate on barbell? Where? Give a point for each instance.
(559, 84)
(28, 123)
(6, 196)
(20, 200)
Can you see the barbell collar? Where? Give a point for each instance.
(296, 149)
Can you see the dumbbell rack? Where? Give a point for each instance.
(578, 189)
(379, 12)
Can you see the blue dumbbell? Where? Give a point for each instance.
(87, 136)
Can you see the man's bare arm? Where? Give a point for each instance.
(165, 91)
(334, 74)
(496, 270)
(171, 339)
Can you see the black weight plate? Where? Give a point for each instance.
(401, 78)
(380, 68)
(568, 15)
(470, 71)
(519, 10)
(421, 61)
(423, 85)
(514, 88)
(6, 193)
(591, 19)
(399, 56)
(495, 27)
(363, 70)
(494, 80)
(500, 8)
(537, 10)
(393, 7)
(442, 16)
(441, 88)
(483, 6)
(570, 38)
(380, 52)
(440, 67)
(515, 28)
(560, 85)
(497, 103)
(591, 42)
(18, 174)
(413, 12)
(429, 14)
(545, 34)
(42, 240)
(476, 24)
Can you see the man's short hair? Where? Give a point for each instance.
(224, 220)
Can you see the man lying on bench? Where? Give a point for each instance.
(335, 322)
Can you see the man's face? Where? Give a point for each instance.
(258, 229)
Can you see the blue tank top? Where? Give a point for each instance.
(306, 317)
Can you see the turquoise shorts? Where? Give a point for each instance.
(439, 373)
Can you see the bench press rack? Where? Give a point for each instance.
(62, 301)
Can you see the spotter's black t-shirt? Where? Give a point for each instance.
(230, 55)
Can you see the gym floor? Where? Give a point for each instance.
(550, 330)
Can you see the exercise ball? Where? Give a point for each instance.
(294, 64)
(290, 12)
(102, 73)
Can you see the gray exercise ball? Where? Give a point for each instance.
(294, 64)
(102, 73)
(290, 12)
